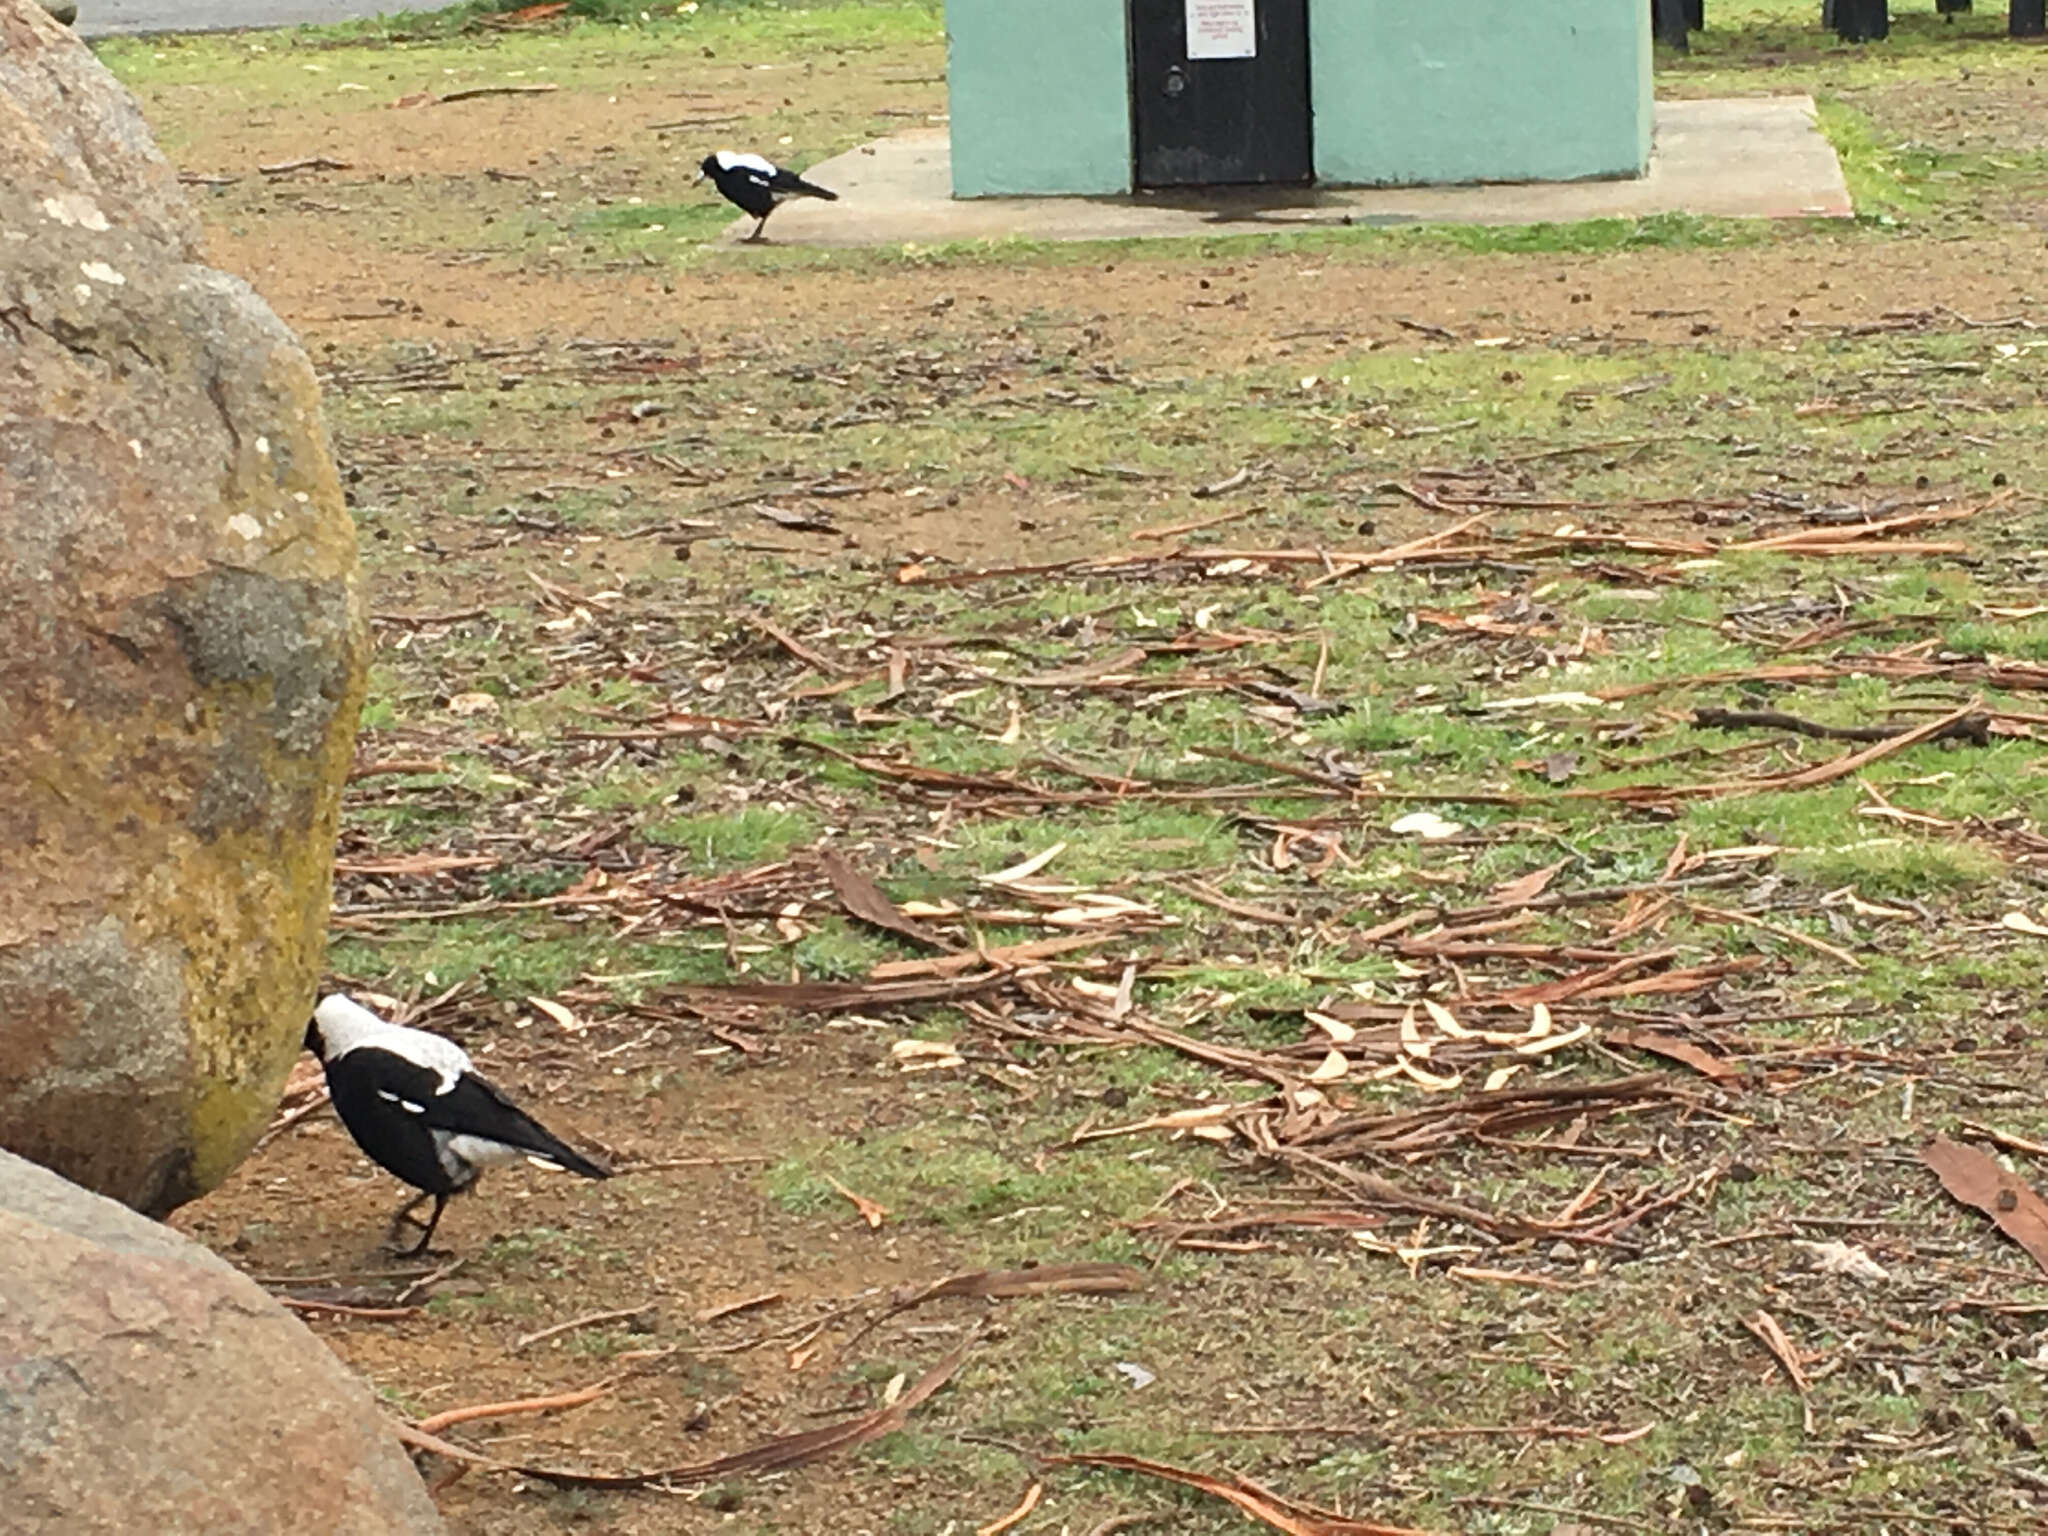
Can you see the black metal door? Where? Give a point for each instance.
(1203, 121)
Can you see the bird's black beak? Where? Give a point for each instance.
(312, 1041)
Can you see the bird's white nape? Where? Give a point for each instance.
(728, 160)
(345, 1025)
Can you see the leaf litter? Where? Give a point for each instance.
(1358, 1055)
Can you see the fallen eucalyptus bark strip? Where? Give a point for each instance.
(345, 1309)
(1262, 1504)
(1008, 1284)
(1975, 729)
(434, 1424)
(589, 1320)
(831, 996)
(780, 1453)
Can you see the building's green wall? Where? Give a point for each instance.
(1404, 91)
(1040, 96)
(1479, 90)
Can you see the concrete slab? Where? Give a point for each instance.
(106, 18)
(1761, 157)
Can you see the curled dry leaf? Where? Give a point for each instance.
(1177, 1120)
(1835, 1257)
(926, 1055)
(1702, 1061)
(1426, 825)
(1014, 731)
(870, 1212)
(1339, 1032)
(1445, 1020)
(1516, 893)
(1027, 868)
(1431, 1080)
(1016, 1516)
(1332, 1067)
(713, 1313)
(1975, 1178)
(1099, 991)
(867, 901)
(1775, 1339)
(1411, 1037)
(1548, 701)
(1544, 1044)
(557, 1012)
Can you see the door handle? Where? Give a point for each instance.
(1176, 82)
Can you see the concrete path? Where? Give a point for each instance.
(102, 18)
(1749, 157)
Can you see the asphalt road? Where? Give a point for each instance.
(99, 18)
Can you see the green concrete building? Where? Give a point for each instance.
(1101, 97)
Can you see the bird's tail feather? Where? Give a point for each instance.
(521, 1130)
(812, 189)
(569, 1160)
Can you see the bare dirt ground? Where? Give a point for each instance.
(675, 552)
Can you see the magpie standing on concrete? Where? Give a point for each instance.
(416, 1104)
(757, 186)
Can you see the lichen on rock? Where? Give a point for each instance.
(182, 655)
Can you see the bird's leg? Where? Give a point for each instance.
(427, 1232)
(405, 1217)
(756, 235)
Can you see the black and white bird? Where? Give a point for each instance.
(758, 186)
(417, 1105)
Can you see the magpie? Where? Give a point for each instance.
(757, 186)
(417, 1105)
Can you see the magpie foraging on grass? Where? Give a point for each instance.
(417, 1105)
(757, 186)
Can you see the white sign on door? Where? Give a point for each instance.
(1223, 29)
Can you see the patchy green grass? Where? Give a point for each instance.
(844, 553)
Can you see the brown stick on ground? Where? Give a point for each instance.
(434, 1424)
(309, 163)
(472, 92)
(342, 1309)
(589, 1320)
(1975, 729)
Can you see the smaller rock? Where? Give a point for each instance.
(62, 10)
(146, 1386)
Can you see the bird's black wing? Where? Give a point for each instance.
(473, 1107)
(789, 184)
(382, 1098)
(746, 188)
